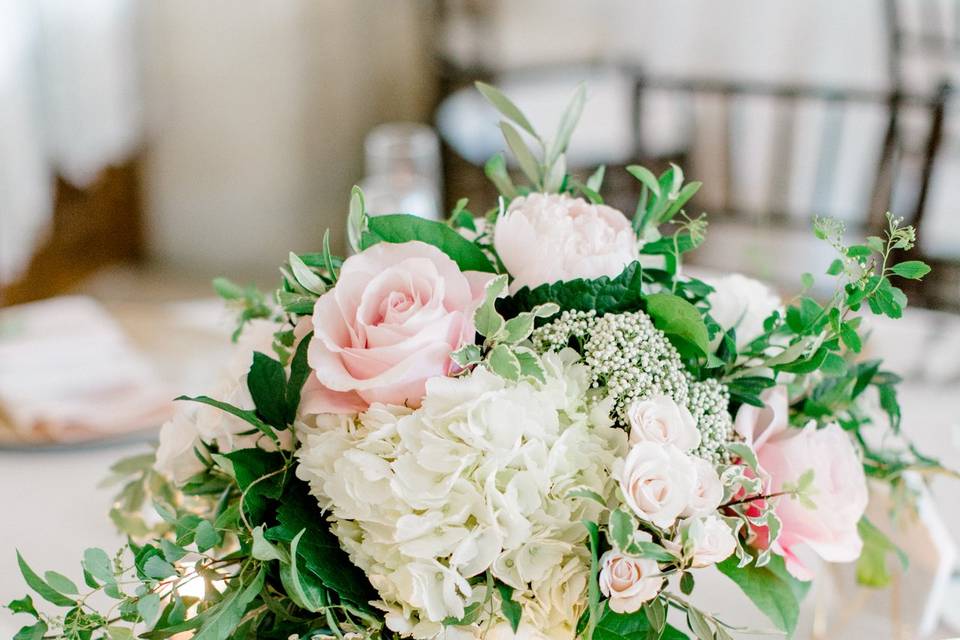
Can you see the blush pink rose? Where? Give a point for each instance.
(390, 323)
(839, 490)
(544, 238)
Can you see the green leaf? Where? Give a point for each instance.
(876, 243)
(505, 106)
(61, 583)
(504, 362)
(859, 251)
(530, 364)
(622, 528)
(267, 382)
(677, 318)
(651, 550)
(687, 192)
(23, 605)
(912, 269)
(32, 632)
(307, 594)
(228, 290)
(553, 181)
(872, 569)
(246, 415)
(568, 122)
(835, 268)
(528, 163)
(604, 295)
(118, 633)
(496, 171)
(171, 551)
(319, 551)
(225, 616)
(631, 626)
(148, 606)
(850, 337)
(263, 549)
(97, 562)
(686, 583)
(206, 536)
(400, 228)
(252, 468)
(771, 588)
(520, 327)
(466, 355)
(595, 181)
(488, 321)
(698, 623)
(646, 177)
(305, 277)
(511, 609)
(42, 589)
(157, 568)
(656, 614)
(299, 372)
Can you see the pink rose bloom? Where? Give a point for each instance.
(390, 323)
(544, 238)
(839, 489)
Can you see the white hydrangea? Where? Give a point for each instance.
(194, 426)
(742, 303)
(478, 478)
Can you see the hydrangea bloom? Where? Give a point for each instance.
(479, 477)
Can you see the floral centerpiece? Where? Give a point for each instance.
(530, 423)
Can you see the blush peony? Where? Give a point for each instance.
(390, 324)
(544, 238)
(839, 490)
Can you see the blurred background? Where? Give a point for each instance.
(148, 146)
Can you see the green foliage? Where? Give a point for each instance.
(604, 295)
(510, 608)
(400, 227)
(872, 566)
(248, 301)
(771, 588)
(680, 321)
(633, 626)
(547, 172)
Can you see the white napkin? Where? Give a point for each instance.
(68, 373)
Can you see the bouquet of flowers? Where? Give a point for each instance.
(528, 423)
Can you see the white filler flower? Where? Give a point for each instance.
(742, 303)
(479, 477)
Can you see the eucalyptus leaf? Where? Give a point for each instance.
(568, 122)
(496, 171)
(40, 586)
(506, 107)
(528, 163)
